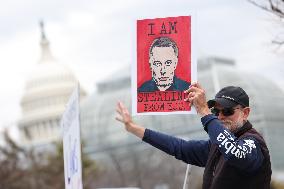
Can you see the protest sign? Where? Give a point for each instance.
(165, 65)
(70, 125)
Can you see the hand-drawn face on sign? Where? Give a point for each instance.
(163, 64)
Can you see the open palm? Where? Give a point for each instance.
(123, 114)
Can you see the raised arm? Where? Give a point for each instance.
(125, 118)
(193, 152)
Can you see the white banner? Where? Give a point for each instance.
(70, 125)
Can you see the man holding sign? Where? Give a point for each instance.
(235, 156)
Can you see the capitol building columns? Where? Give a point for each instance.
(47, 91)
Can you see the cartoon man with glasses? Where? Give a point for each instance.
(163, 60)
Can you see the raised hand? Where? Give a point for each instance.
(197, 97)
(125, 117)
(123, 114)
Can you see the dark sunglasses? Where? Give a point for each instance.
(225, 111)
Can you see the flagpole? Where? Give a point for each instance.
(185, 178)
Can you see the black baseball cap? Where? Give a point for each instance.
(229, 97)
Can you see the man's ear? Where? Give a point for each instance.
(176, 62)
(151, 62)
(246, 112)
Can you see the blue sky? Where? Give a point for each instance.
(90, 36)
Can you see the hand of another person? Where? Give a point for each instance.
(197, 97)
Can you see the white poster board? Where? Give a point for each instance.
(70, 125)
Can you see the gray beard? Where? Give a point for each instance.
(231, 126)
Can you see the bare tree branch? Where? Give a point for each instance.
(277, 42)
(23, 168)
(273, 7)
(276, 7)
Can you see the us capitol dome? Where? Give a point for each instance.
(46, 93)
